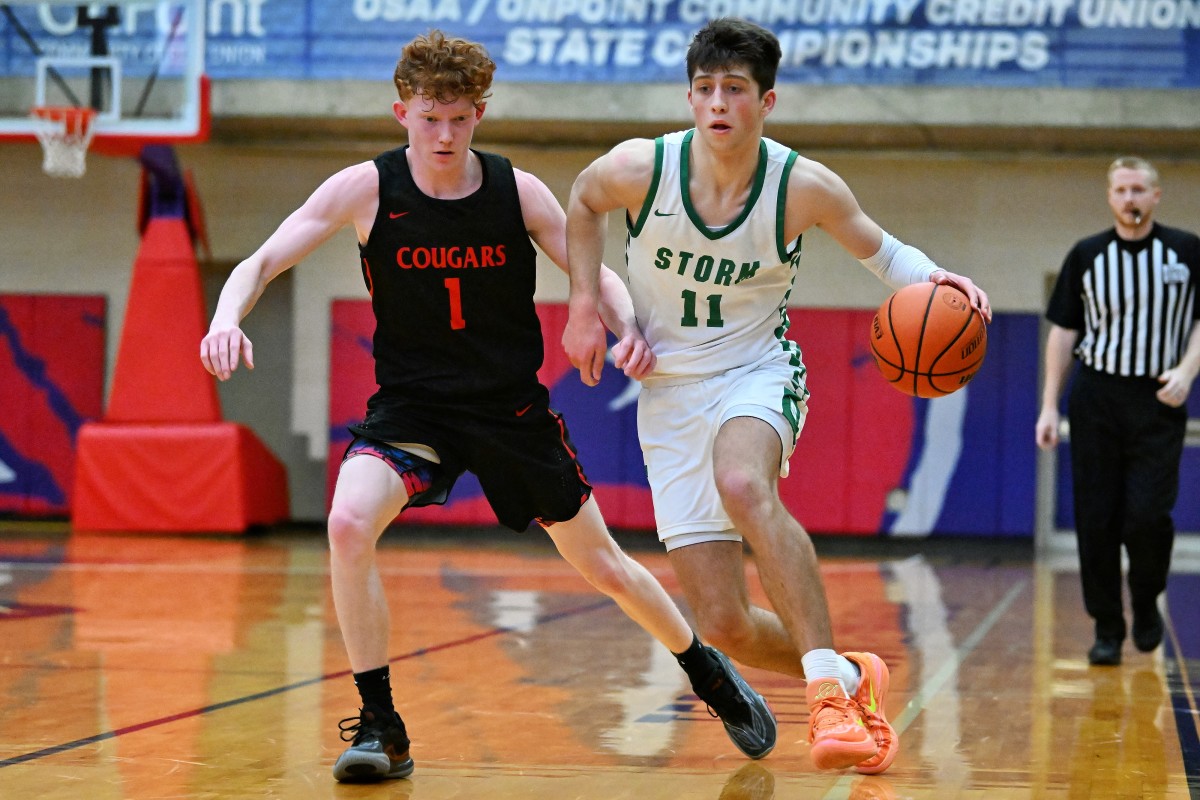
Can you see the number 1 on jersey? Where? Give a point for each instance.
(689, 311)
(457, 323)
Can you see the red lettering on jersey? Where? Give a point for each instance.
(452, 257)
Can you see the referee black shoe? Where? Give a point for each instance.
(378, 749)
(1147, 630)
(747, 719)
(1105, 652)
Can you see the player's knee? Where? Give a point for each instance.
(350, 534)
(728, 630)
(607, 573)
(744, 495)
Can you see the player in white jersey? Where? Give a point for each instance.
(714, 217)
(709, 297)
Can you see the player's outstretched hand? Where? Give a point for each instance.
(586, 345)
(977, 296)
(633, 356)
(222, 348)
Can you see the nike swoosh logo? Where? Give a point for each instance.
(658, 213)
(522, 411)
(395, 215)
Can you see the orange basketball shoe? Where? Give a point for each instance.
(836, 728)
(872, 689)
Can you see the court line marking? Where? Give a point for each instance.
(841, 789)
(237, 701)
(1180, 688)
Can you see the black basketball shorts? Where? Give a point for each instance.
(521, 453)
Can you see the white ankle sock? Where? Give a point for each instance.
(850, 676)
(828, 664)
(820, 664)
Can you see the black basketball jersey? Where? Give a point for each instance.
(451, 284)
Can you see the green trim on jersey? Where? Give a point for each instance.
(798, 392)
(791, 412)
(635, 228)
(684, 172)
(780, 211)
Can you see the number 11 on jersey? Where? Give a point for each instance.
(457, 323)
(690, 320)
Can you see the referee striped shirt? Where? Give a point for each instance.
(1133, 301)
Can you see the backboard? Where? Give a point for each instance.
(138, 63)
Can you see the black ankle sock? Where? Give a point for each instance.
(375, 689)
(697, 662)
(711, 684)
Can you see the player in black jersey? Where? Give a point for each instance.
(444, 236)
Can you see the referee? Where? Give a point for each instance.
(1125, 307)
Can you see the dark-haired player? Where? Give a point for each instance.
(714, 219)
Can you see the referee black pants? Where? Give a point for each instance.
(1125, 452)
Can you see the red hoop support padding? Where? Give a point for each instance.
(175, 478)
(158, 376)
(162, 459)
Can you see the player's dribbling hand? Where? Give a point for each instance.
(977, 296)
(633, 356)
(585, 344)
(221, 349)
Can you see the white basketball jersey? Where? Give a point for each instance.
(711, 300)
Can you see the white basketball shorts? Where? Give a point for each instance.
(678, 425)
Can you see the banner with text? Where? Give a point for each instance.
(1013, 43)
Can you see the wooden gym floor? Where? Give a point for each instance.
(197, 667)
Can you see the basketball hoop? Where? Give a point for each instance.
(65, 133)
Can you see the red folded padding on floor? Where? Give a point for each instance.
(182, 478)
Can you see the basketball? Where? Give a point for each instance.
(927, 340)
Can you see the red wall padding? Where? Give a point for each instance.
(51, 382)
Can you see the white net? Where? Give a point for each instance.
(65, 133)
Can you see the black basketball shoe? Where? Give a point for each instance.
(748, 721)
(378, 750)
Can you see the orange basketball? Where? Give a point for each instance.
(927, 340)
